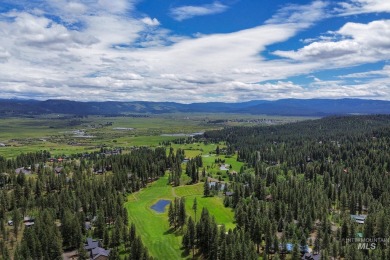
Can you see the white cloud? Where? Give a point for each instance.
(384, 72)
(322, 50)
(76, 7)
(360, 43)
(4, 55)
(127, 76)
(372, 90)
(100, 52)
(42, 32)
(151, 22)
(115, 6)
(295, 13)
(353, 7)
(375, 34)
(186, 12)
(112, 30)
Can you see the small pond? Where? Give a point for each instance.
(160, 205)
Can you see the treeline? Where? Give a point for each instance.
(24, 160)
(212, 242)
(174, 165)
(205, 238)
(192, 168)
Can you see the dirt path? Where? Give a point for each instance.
(174, 192)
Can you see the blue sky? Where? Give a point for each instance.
(194, 50)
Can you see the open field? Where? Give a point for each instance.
(78, 135)
(65, 135)
(153, 227)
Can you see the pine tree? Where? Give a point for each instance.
(171, 215)
(70, 230)
(257, 236)
(296, 254)
(195, 207)
(185, 241)
(106, 237)
(116, 234)
(100, 225)
(194, 174)
(16, 218)
(206, 188)
(132, 232)
(18, 254)
(114, 254)
(191, 235)
(182, 216)
(83, 254)
(317, 243)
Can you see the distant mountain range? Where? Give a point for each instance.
(282, 107)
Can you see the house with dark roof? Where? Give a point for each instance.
(87, 225)
(229, 193)
(288, 247)
(100, 253)
(95, 251)
(23, 170)
(310, 256)
(58, 170)
(91, 244)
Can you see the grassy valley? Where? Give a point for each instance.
(66, 134)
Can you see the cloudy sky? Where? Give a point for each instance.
(194, 50)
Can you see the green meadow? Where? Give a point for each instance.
(56, 132)
(163, 242)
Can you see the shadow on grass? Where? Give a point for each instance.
(185, 253)
(169, 231)
(177, 232)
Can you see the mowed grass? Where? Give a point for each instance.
(54, 149)
(223, 215)
(153, 227)
(194, 149)
(208, 154)
(214, 168)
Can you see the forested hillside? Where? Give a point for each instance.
(317, 184)
(285, 107)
